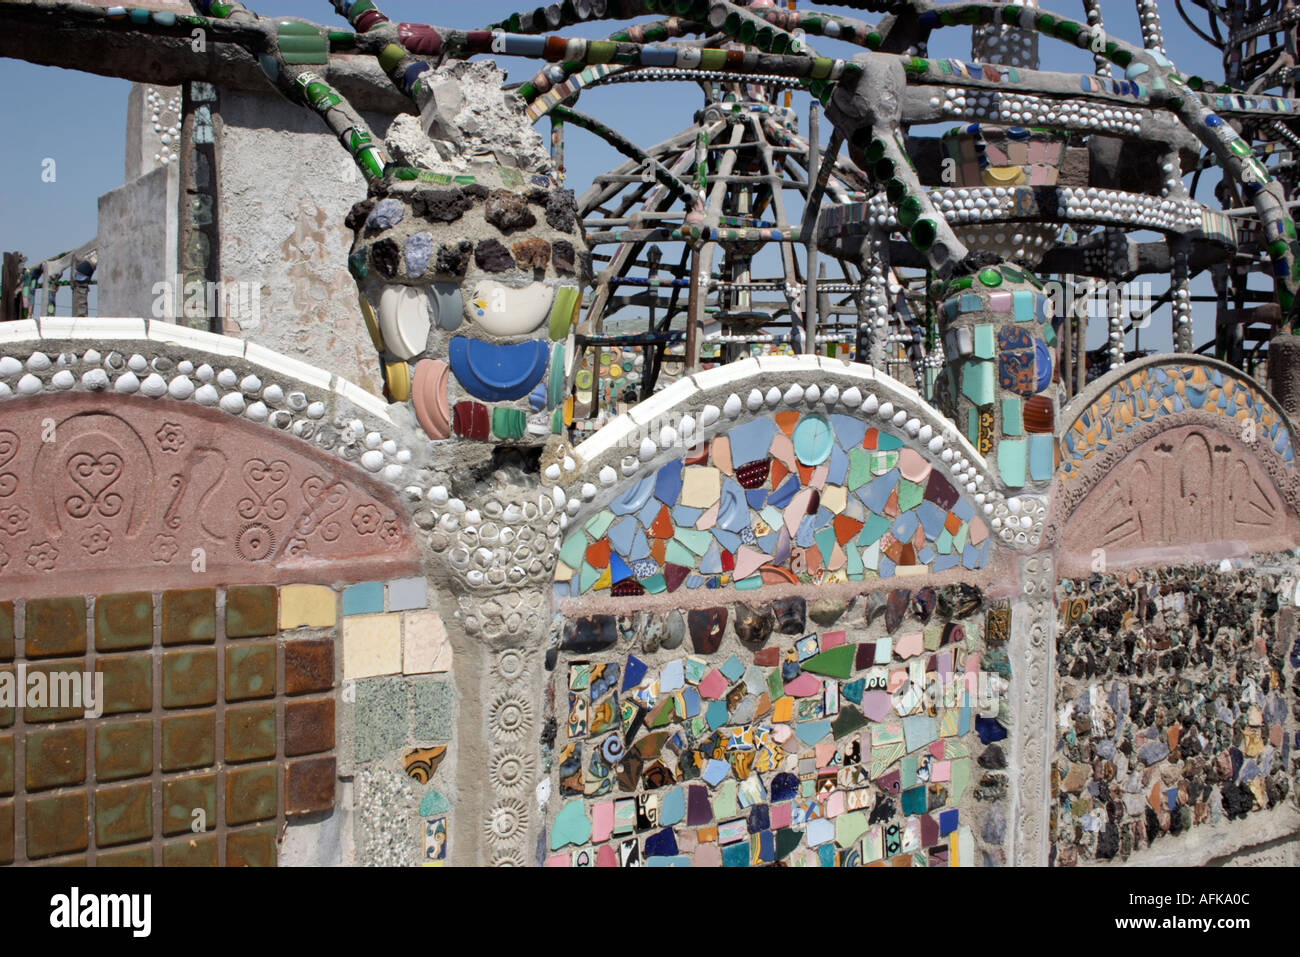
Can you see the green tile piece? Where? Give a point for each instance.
(984, 341)
(872, 530)
(977, 381)
(432, 708)
(1012, 417)
(694, 539)
(1012, 462)
(574, 547)
(380, 717)
(910, 495)
(599, 523)
(859, 468)
(836, 663)
(252, 611)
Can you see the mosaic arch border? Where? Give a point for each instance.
(1074, 482)
(706, 404)
(155, 359)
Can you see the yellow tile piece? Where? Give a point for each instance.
(308, 606)
(372, 645)
(783, 709)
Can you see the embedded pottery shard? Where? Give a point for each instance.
(502, 311)
(923, 604)
(447, 310)
(590, 634)
(827, 611)
(958, 601)
(873, 605)
(496, 373)
(753, 628)
(429, 395)
(674, 631)
(707, 627)
(896, 608)
(791, 615)
(404, 320)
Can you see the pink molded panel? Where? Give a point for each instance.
(112, 493)
(1191, 493)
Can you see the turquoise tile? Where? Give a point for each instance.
(1040, 457)
(1011, 462)
(984, 341)
(1012, 419)
(977, 381)
(364, 599)
(1022, 303)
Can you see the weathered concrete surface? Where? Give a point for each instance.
(137, 241)
(282, 207)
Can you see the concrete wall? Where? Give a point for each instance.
(283, 202)
(137, 242)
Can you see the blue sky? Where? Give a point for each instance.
(78, 119)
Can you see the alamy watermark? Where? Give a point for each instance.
(33, 689)
(239, 301)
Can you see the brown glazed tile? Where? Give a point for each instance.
(6, 764)
(250, 795)
(250, 733)
(6, 630)
(254, 847)
(189, 678)
(128, 682)
(189, 617)
(7, 714)
(55, 758)
(309, 786)
(56, 825)
(123, 814)
(56, 626)
(308, 726)
(124, 621)
(6, 832)
(181, 796)
(250, 671)
(195, 852)
(251, 611)
(189, 741)
(127, 857)
(123, 750)
(308, 665)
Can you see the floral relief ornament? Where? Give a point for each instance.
(164, 548)
(170, 437)
(366, 519)
(14, 519)
(97, 539)
(42, 556)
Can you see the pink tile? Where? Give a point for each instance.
(713, 685)
(558, 860)
(606, 856)
(805, 686)
(779, 815)
(832, 639)
(909, 645)
(602, 821)
(1000, 302)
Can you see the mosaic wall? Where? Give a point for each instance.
(1172, 707)
(796, 498)
(1156, 391)
(216, 727)
(854, 733)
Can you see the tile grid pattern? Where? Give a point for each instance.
(248, 839)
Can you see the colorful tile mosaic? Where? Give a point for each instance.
(821, 750)
(796, 498)
(1157, 391)
(1171, 712)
